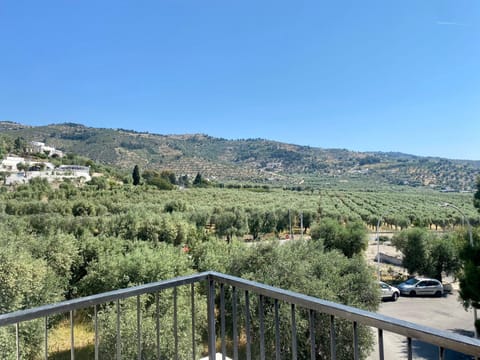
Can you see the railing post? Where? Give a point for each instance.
(211, 319)
(222, 321)
(139, 329)
(409, 348)
(175, 321)
(96, 332)
(46, 337)
(157, 323)
(277, 331)
(381, 353)
(72, 336)
(234, 317)
(247, 326)
(311, 318)
(17, 340)
(192, 303)
(333, 339)
(356, 352)
(262, 327)
(294, 333)
(118, 335)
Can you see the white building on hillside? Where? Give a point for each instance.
(40, 147)
(10, 163)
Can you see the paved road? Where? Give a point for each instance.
(444, 313)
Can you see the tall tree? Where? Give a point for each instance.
(198, 180)
(20, 145)
(470, 277)
(136, 175)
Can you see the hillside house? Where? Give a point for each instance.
(10, 163)
(36, 147)
(74, 170)
(42, 169)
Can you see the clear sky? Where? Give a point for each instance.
(387, 75)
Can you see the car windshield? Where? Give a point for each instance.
(411, 281)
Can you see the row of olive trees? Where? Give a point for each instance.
(63, 243)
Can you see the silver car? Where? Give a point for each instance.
(388, 291)
(421, 286)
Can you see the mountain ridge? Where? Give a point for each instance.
(258, 160)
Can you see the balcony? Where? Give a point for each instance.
(244, 320)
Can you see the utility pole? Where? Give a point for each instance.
(301, 225)
(290, 223)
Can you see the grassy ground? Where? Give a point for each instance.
(59, 341)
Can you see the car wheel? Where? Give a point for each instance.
(438, 293)
(394, 296)
(413, 293)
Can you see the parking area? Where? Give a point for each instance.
(445, 313)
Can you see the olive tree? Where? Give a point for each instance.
(426, 253)
(350, 239)
(470, 276)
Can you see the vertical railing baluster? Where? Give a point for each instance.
(119, 338)
(192, 302)
(157, 322)
(211, 320)
(139, 329)
(247, 325)
(356, 354)
(222, 321)
(96, 331)
(17, 340)
(235, 324)
(175, 321)
(46, 338)
(409, 347)
(72, 337)
(311, 319)
(381, 354)
(441, 353)
(333, 339)
(294, 333)
(277, 331)
(262, 327)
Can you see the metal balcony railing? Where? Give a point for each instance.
(233, 300)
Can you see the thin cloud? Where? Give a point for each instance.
(451, 23)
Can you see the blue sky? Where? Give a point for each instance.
(366, 75)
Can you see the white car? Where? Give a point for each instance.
(388, 291)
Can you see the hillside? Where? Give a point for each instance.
(256, 160)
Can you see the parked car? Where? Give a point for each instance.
(421, 286)
(388, 291)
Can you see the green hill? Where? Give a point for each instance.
(256, 160)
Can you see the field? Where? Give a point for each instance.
(61, 242)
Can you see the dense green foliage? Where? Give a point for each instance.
(61, 241)
(350, 239)
(303, 267)
(470, 277)
(428, 254)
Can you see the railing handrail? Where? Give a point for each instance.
(102, 298)
(443, 338)
(427, 334)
